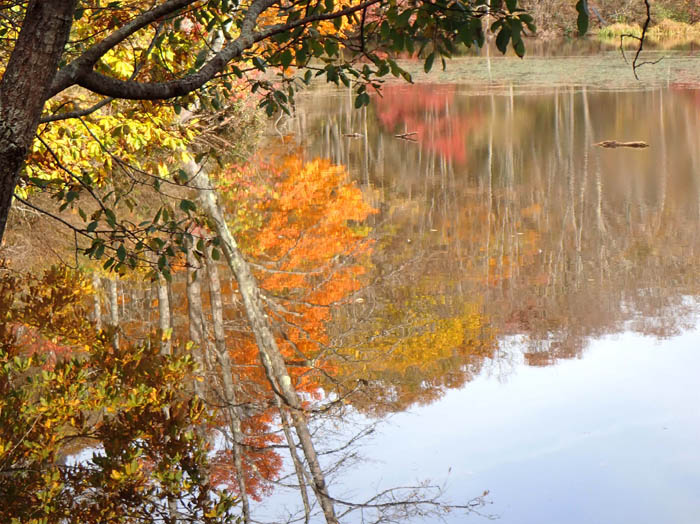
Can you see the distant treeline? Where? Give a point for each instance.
(558, 17)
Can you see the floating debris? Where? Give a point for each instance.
(615, 143)
(407, 136)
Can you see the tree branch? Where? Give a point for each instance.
(69, 74)
(108, 86)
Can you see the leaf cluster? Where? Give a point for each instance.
(108, 434)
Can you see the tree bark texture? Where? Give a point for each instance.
(270, 355)
(25, 87)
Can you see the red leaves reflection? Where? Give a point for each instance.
(429, 110)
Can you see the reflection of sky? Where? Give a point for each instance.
(612, 437)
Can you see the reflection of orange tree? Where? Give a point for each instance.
(428, 110)
(300, 225)
(303, 229)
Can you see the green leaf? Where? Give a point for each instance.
(201, 57)
(331, 47)
(429, 62)
(519, 47)
(286, 58)
(361, 100)
(111, 217)
(187, 205)
(121, 253)
(503, 38)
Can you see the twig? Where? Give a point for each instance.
(407, 136)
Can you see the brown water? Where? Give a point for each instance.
(532, 315)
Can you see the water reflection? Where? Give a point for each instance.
(503, 219)
(556, 280)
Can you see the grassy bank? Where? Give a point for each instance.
(665, 29)
(667, 33)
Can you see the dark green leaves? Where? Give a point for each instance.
(503, 38)
(187, 205)
(361, 100)
(429, 62)
(582, 21)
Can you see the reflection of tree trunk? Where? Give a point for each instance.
(298, 466)
(165, 326)
(96, 301)
(194, 310)
(114, 310)
(164, 319)
(365, 147)
(229, 389)
(557, 133)
(663, 176)
(270, 355)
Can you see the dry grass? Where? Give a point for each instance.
(667, 33)
(672, 28)
(619, 29)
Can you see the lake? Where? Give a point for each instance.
(530, 323)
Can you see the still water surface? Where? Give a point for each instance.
(532, 328)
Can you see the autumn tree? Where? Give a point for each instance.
(90, 429)
(61, 50)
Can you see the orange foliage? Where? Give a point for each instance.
(305, 230)
(300, 224)
(260, 462)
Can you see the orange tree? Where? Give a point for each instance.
(77, 56)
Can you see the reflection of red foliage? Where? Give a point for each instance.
(32, 342)
(429, 110)
(689, 90)
(261, 464)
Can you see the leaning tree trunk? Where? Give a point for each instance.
(25, 86)
(229, 388)
(270, 355)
